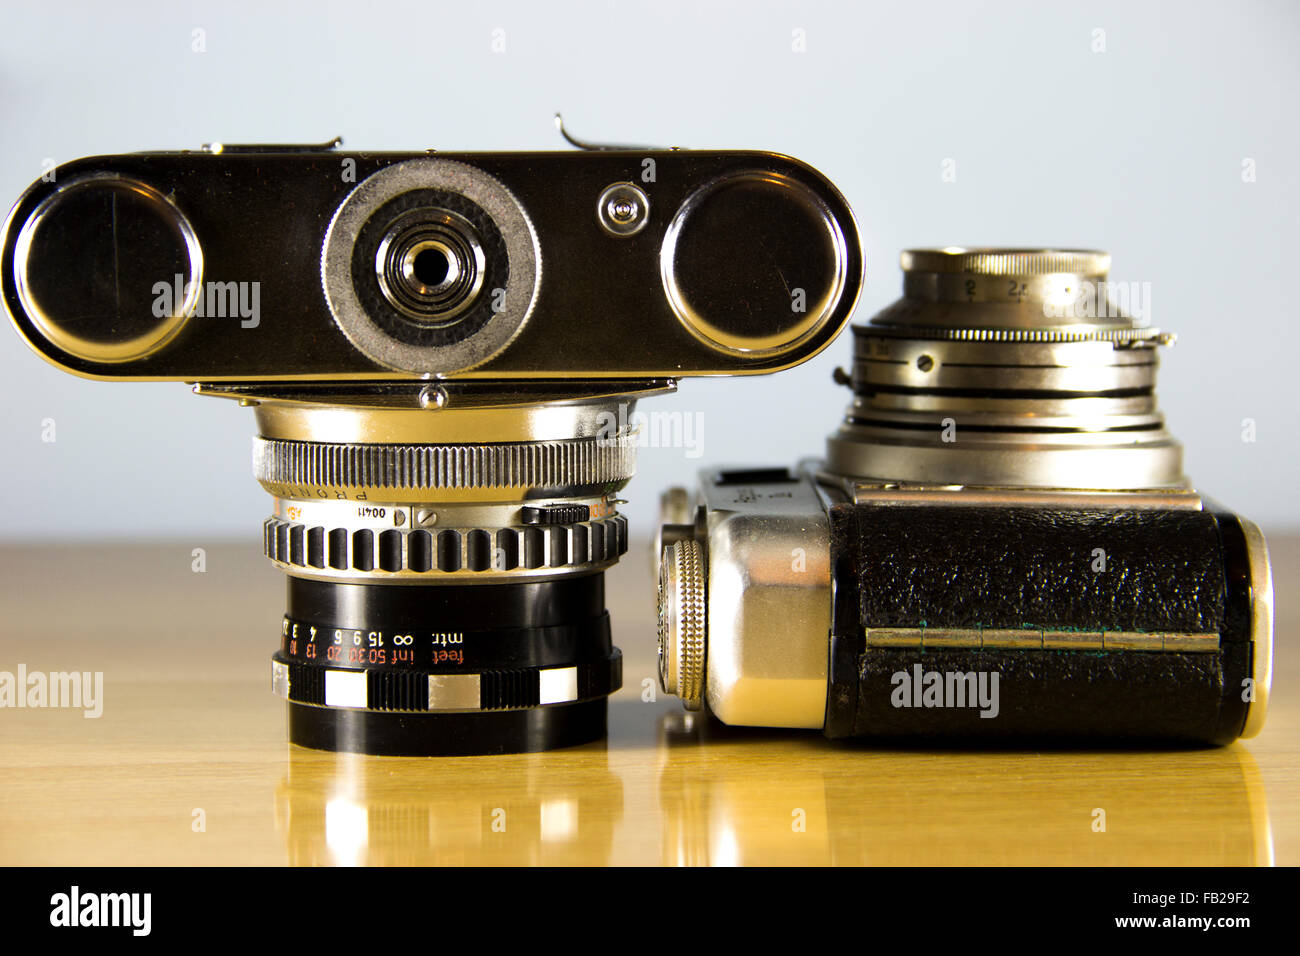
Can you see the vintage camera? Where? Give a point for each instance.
(999, 542)
(441, 351)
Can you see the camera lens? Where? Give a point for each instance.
(1008, 368)
(443, 598)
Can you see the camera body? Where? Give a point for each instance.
(442, 352)
(999, 542)
(566, 267)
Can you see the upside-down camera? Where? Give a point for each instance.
(440, 350)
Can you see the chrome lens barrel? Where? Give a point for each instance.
(1008, 367)
(445, 597)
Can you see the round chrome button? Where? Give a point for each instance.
(623, 209)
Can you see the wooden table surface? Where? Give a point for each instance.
(188, 763)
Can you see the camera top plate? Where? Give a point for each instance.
(244, 265)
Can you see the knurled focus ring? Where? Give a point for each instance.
(322, 466)
(1007, 262)
(448, 551)
(683, 622)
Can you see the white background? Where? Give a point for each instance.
(1138, 150)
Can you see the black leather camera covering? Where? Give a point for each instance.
(969, 567)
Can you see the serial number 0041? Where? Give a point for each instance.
(366, 648)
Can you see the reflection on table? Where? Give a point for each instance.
(728, 797)
(863, 805)
(349, 809)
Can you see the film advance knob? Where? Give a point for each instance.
(683, 623)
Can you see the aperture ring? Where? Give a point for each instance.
(463, 552)
(315, 467)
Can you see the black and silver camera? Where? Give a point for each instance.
(999, 541)
(441, 351)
